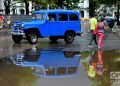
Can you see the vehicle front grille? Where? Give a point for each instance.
(18, 27)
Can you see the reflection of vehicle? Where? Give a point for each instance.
(51, 63)
(31, 55)
(54, 24)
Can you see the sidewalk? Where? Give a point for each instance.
(116, 29)
(5, 32)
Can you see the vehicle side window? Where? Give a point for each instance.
(73, 17)
(63, 17)
(51, 17)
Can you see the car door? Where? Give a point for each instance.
(51, 24)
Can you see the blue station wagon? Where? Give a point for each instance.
(55, 24)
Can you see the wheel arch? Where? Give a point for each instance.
(70, 31)
(36, 30)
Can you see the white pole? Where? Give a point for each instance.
(86, 6)
(48, 6)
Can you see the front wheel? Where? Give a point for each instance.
(32, 37)
(69, 37)
(17, 38)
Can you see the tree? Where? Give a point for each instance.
(69, 4)
(7, 6)
(94, 4)
(26, 6)
(59, 3)
(42, 4)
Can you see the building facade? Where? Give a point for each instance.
(1, 6)
(15, 8)
(19, 8)
(84, 8)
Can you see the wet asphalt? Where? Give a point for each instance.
(60, 64)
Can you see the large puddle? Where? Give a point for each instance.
(54, 67)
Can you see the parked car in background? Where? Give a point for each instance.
(110, 21)
(55, 24)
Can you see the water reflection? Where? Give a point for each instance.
(96, 67)
(47, 63)
(99, 64)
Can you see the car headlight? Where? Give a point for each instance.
(22, 25)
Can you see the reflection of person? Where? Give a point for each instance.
(99, 65)
(91, 66)
(92, 26)
(96, 67)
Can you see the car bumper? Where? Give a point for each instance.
(18, 32)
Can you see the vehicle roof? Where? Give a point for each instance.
(58, 11)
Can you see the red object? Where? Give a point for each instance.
(96, 30)
(1, 18)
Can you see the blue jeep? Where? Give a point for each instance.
(54, 24)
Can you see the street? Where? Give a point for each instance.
(8, 47)
(91, 66)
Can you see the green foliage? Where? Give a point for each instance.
(108, 2)
(94, 4)
(53, 4)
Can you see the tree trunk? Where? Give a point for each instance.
(118, 23)
(92, 8)
(26, 7)
(7, 6)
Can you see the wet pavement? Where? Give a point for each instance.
(8, 47)
(60, 64)
(55, 67)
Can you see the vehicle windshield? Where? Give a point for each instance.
(39, 17)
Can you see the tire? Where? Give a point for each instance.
(69, 54)
(69, 37)
(17, 38)
(32, 37)
(31, 55)
(53, 39)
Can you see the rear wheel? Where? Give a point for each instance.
(17, 38)
(32, 37)
(53, 39)
(69, 37)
